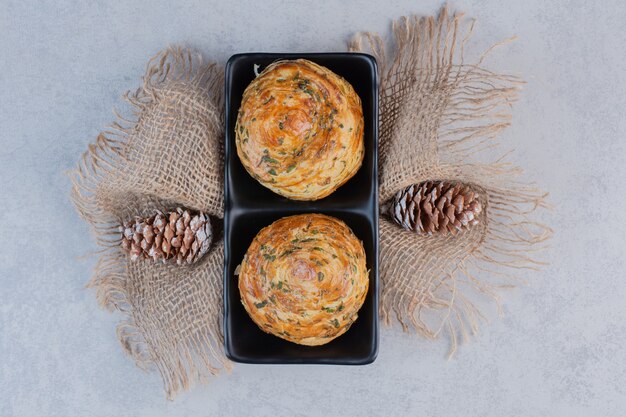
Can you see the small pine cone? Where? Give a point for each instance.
(435, 207)
(178, 235)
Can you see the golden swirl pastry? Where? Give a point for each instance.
(304, 278)
(299, 130)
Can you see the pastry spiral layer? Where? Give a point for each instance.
(304, 278)
(299, 130)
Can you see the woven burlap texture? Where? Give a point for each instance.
(437, 114)
(170, 155)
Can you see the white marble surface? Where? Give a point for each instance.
(558, 351)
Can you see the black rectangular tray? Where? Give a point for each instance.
(248, 207)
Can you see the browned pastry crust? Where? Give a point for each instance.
(299, 130)
(304, 278)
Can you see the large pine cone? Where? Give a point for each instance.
(435, 207)
(178, 235)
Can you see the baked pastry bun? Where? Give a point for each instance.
(299, 130)
(304, 278)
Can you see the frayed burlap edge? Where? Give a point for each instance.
(437, 114)
(109, 187)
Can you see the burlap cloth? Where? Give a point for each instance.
(437, 113)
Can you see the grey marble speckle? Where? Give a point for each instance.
(558, 350)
